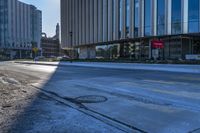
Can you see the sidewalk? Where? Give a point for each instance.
(129, 66)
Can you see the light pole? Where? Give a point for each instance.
(71, 33)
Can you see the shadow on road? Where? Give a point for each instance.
(43, 114)
(36, 116)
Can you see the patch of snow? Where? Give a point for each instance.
(6, 80)
(3, 81)
(12, 81)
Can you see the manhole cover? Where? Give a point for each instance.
(91, 99)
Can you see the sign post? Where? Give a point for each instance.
(156, 45)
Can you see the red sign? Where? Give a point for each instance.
(157, 44)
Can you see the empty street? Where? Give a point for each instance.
(48, 99)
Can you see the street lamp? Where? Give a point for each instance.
(70, 34)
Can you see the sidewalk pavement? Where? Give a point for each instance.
(129, 66)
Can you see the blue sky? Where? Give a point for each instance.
(50, 12)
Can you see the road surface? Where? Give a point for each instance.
(89, 100)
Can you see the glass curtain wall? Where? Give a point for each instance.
(136, 18)
(121, 18)
(176, 16)
(3, 22)
(147, 17)
(193, 16)
(107, 51)
(1, 19)
(160, 17)
(127, 18)
(114, 16)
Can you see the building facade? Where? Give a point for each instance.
(51, 45)
(20, 28)
(131, 28)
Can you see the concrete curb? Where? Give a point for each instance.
(127, 66)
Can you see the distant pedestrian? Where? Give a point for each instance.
(35, 59)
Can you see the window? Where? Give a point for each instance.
(114, 17)
(176, 16)
(161, 17)
(136, 18)
(121, 18)
(193, 16)
(127, 18)
(147, 19)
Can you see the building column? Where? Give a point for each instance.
(169, 15)
(110, 20)
(20, 54)
(123, 17)
(199, 18)
(154, 17)
(141, 18)
(132, 5)
(150, 50)
(91, 2)
(105, 20)
(87, 21)
(116, 20)
(95, 30)
(185, 16)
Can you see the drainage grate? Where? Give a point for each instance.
(91, 99)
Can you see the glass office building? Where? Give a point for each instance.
(130, 26)
(20, 28)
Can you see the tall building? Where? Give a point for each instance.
(137, 29)
(20, 28)
(57, 34)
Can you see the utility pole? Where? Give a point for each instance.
(71, 49)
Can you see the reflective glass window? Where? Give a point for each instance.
(114, 16)
(193, 16)
(176, 16)
(160, 17)
(136, 18)
(127, 18)
(121, 17)
(147, 19)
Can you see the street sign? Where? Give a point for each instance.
(157, 44)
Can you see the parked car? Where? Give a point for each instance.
(63, 57)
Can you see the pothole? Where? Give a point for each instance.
(91, 99)
(83, 99)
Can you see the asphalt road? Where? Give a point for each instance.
(86, 100)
